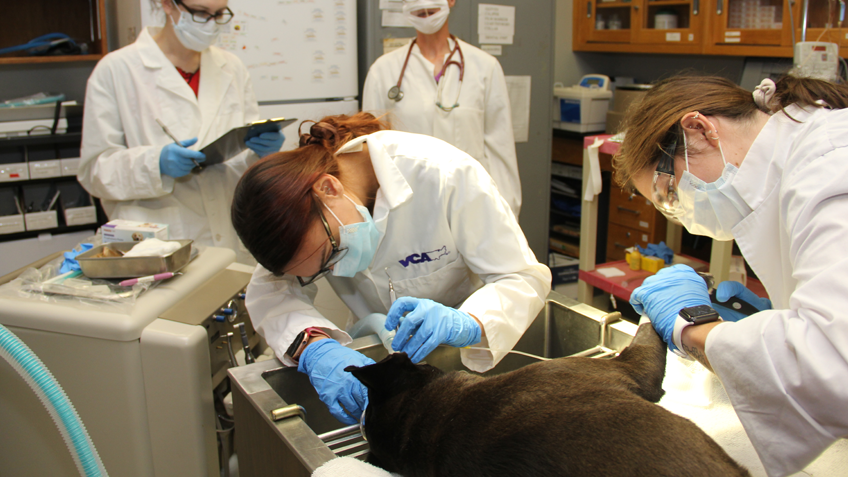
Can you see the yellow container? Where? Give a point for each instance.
(634, 259)
(652, 264)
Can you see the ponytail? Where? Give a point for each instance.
(273, 205)
(806, 91)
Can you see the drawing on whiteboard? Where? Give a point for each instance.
(277, 39)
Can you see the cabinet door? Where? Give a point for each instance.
(668, 22)
(604, 22)
(740, 23)
(823, 19)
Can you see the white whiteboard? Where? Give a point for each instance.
(295, 49)
(303, 112)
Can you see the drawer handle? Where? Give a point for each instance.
(625, 209)
(618, 245)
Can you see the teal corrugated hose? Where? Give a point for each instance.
(51, 394)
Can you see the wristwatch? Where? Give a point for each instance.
(698, 315)
(301, 340)
(693, 315)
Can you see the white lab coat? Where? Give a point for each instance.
(127, 91)
(786, 369)
(445, 234)
(480, 126)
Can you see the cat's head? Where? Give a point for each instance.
(393, 387)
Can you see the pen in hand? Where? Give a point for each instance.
(177, 141)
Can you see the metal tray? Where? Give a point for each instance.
(132, 267)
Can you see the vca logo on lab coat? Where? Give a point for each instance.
(425, 257)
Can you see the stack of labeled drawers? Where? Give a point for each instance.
(633, 220)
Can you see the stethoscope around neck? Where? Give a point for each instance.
(396, 94)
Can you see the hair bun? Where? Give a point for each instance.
(318, 133)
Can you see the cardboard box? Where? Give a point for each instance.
(80, 215)
(70, 166)
(129, 231)
(45, 169)
(564, 269)
(18, 171)
(626, 95)
(614, 120)
(41, 220)
(12, 224)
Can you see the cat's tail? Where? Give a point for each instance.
(645, 360)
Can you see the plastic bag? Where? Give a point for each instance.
(73, 289)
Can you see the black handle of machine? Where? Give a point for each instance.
(735, 304)
(248, 357)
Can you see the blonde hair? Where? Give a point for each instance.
(649, 125)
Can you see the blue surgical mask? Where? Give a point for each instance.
(360, 240)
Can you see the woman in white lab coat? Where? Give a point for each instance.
(199, 92)
(368, 207)
(769, 170)
(450, 90)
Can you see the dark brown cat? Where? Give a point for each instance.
(569, 416)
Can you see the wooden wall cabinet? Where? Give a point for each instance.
(710, 27)
(82, 20)
(630, 26)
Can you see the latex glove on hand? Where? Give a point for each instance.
(428, 325)
(727, 290)
(663, 295)
(324, 362)
(177, 161)
(266, 143)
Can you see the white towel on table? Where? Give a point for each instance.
(350, 467)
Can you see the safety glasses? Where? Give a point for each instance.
(221, 17)
(664, 191)
(335, 255)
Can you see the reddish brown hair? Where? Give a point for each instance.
(273, 205)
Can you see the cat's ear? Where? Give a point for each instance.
(384, 374)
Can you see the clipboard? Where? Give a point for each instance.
(232, 142)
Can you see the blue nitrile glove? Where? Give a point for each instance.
(176, 161)
(70, 263)
(324, 362)
(730, 289)
(663, 295)
(428, 325)
(660, 250)
(266, 143)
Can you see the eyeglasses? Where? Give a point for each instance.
(664, 191)
(335, 255)
(221, 18)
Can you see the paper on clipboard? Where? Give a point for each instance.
(232, 142)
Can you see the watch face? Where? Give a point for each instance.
(699, 314)
(295, 344)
